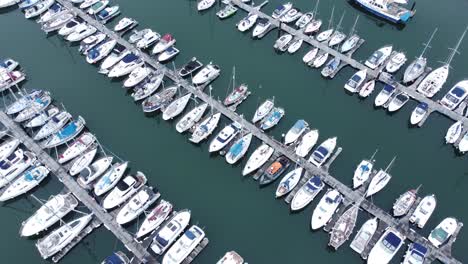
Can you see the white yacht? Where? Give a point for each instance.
(324, 35)
(307, 142)
(189, 119)
(295, 131)
(367, 89)
(396, 62)
(23, 102)
(398, 101)
(295, 45)
(419, 112)
(87, 4)
(320, 60)
(463, 144)
(414, 70)
(336, 38)
(38, 9)
(379, 57)
(281, 10)
(231, 257)
(7, 147)
(205, 128)
(423, 211)
(355, 82)
(226, 135)
(82, 162)
(364, 235)
(454, 132)
(90, 42)
(48, 214)
(82, 31)
(416, 254)
(307, 193)
(323, 152)
(263, 25)
(386, 247)
(282, 43)
(170, 231)
(313, 26)
(434, 81)
(143, 199)
(100, 52)
(310, 56)
(148, 86)
(124, 189)
(304, 20)
(292, 15)
(238, 149)
(385, 94)
(455, 96)
(41, 118)
(94, 171)
(259, 157)
(61, 237)
(117, 54)
(272, 119)
(176, 107)
(80, 145)
(362, 173)
(70, 26)
(263, 110)
(125, 24)
(184, 246)
(442, 233)
(288, 182)
(15, 164)
(207, 74)
(168, 54)
(128, 63)
(136, 76)
(378, 182)
(155, 218)
(7, 3)
(404, 203)
(97, 7)
(164, 43)
(110, 178)
(247, 22)
(205, 4)
(350, 43)
(30, 179)
(35, 107)
(325, 209)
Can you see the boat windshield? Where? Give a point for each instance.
(439, 234)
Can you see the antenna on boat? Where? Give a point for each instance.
(427, 45)
(353, 29)
(331, 17)
(315, 9)
(455, 50)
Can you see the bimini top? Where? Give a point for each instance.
(114, 259)
(423, 106)
(391, 241)
(420, 249)
(130, 57)
(314, 183)
(388, 88)
(459, 92)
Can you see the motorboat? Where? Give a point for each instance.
(94, 171)
(362, 173)
(228, 11)
(289, 182)
(155, 218)
(355, 82)
(364, 235)
(148, 86)
(295, 45)
(97, 7)
(206, 74)
(320, 60)
(398, 101)
(116, 258)
(176, 107)
(313, 27)
(272, 119)
(205, 4)
(124, 24)
(350, 43)
(396, 62)
(419, 112)
(7, 3)
(164, 43)
(238, 149)
(168, 54)
(379, 57)
(190, 67)
(128, 63)
(137, 35)
(48, 214)
(378, 182)
(259, 157)
(367, 89)
(386, 247)
(136, 76)
(110, 178)
(454, 132)
(58, 21)
(52, 126)
(281, 10)
(304, 20)
(116, 55)
(101, 51)
(262, 27)
(423, 211)
(463, 144)
(15, 164)
(35, 107)
(108, 13)
(323, 152)
(331, 67)
(43, 117)
(28, 3)
(65, 134)
(384, 95)
(336, 38)
(8, 79)
(416, 254)
(82, 161)
(434, 81)
(70, 26)
(263, 110)
(247, 22)
(38, 9)
(159, 100)
(307, 193)
(307, 142)
(310, 56)
(282, 43)
(26, 182)
(80, 145)
(324, 35)
(443, 231)
(275, 170)
(9, 64)
(166, 236)
(414, 70)
(225, 136)
(292, 15)
(325, 209)
(189, 119)
(237, 95)
(141, 201)
(231, 257)
(390, 10)
(8, 147)
(61, 237)
(205, 128)
(148, 39)
(87, 4)
(295, 131)
(54, 10)
(455, 96)
(82, 31)
(124, 189)
(184, 245)
(404, 203)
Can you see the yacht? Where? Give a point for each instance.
(238, 149)
(378, 182)
(184, 246)
(355, 82)
(27, 3)
(416, 254)
(313, 27)
(262, 27)
(136, 76)
(110, 178)
(108, 13)
(324, 35)
(164, 43)
(281, 10)
(336, 38)
(419, 112)
(90, 42)
(331, 67)
(350, 43)
(307, 193)
(443, 231)
(7, 147)
(176, 107)
(124, 24)
(423, 211)
(60, 21)
(404, 203)
(168, 54)
(228, 11)
(9, 64)
(395, 62)
(263, 110)
(137, 35)
(26, 182)
(225, 136)
(148, 86)
(53, 125)
(65, 134)
(38, 9)
(385, 94)
(61, 237)
(304, 20)
(41, 118)
(115, 56)
(205, 128)
(170, 231)
(386, 247)
(148, 39)
(237, 95)
(48, 214)
(276, 168)
(259, 157)
(295, 131)
(35, 107)
(398, 101)
(247, 22)
(310, 56)
(434, 81)
(231, 257)
(323, 152)
(128, 63)
(283, 42)
(205, 4)
(82, 162)
(14, 165)
(456, 95)
(124, 189)
(325, 209)
(367, 89)
(80, 145)
(189, 119)
(143, 199)
(155, 218)
(116, 258)
(295, 45)
(190, 67)
(307, 142)
(320, 60)
(364, 235)
(289, 182)
(454, 132)
(272, 119)
(87, 4)
(207, 74)
(101, 51)
(292, 15)
(379, 57)
(7, 3)
(463, 144)
(390, 10)
(159, 100)
(414, 70)
(97, 7)
(82, 31)
(362, 173)
(94, 171)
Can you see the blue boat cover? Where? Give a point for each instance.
(103, 14)
(314, 183)
(388, 88)
(129, 58)
(113, 259)
(420, 249)
(458, 92)
(67, 131)
(55, 7)
(393, 239)
(190, 235)
(423, 106)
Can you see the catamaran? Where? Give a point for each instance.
(364, 235)
(83, 161)
(80, 145)
(323, 152)
(325, 209)
(184, 245)
(141, 201)
(124, 189)
(238, 149)
(226, 135)
(419, 112)
(386, 247)
(170, 231)
(396, 62)
(205, 128)
(263, 110)
(94, 171)
(289, 182)
(423, 211)
(308, 141)
(442, 233)
(295, 131)
(417, 67)
(155, 218)
(454, 132)
(110, 178)
(272, 119)
(274, 171)
(307, 193)
(65, 134)
(380, 180)
(259, 157)
(355, 82)
(390, 10)
(404, 203)
(176, 107)
(26, 182)
(455, 96)
(379, 57)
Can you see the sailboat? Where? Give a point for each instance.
(238, 94)
(315, 24)
(343, 228)
(416, 68)
(403, 204)
(380, 180)
(363, 171)
(353, 39)
(325, 35)
(337, 37)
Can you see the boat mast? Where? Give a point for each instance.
(331, 18)
(426, 45)
(455, 50)
(373, 155)
(341, 21)
(390, 164)
(353, 29)
(315, 9)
